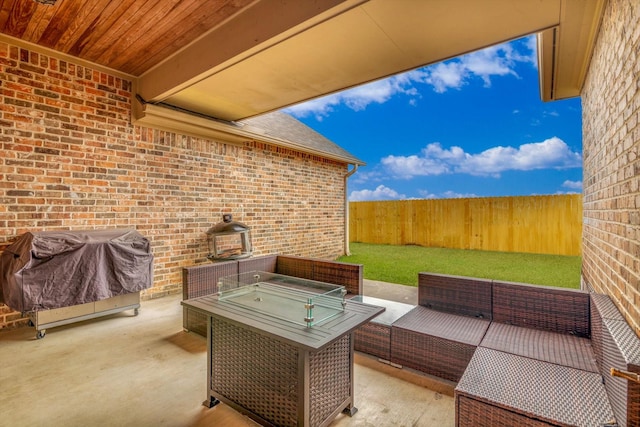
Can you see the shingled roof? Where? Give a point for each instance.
(297, 135)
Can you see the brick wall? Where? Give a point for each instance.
(70, 159)
(611, 145)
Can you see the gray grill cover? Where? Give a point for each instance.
(53, 269)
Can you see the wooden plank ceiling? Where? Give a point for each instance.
(127, 35)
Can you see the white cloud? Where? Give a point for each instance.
(573, 185)
(367, 176)
(454, 195)
(320, 107)
(552, 153)
(532, 48)
(380, 193)
(492, 61)
(446, 195)
(357, 99)
(445, 76)
(499, 60)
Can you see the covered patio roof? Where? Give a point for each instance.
(235, 59)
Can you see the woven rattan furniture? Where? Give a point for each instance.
(616, 346)
(542, 307)
(466, 296)
(374, 337)
(435, 342)
(203, 279)
(524, 355)
(440, 335)
(536, 364)
(505, 389)
(277, 371)
(560, 349)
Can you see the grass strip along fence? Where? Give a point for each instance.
(401, 264)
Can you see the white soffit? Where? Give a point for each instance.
(367, 42)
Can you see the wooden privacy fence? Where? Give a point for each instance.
(533, 224)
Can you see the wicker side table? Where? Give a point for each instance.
(374, 337)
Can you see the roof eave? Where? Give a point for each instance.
(159, 117)
(564, 51)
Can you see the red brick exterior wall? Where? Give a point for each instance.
(611, 145)
(71, 159)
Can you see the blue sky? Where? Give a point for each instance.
(473, 126)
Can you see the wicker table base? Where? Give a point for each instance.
(273, 381)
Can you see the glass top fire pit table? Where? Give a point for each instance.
(280, 348)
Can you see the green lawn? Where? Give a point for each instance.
(401, 264)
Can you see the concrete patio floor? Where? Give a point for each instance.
(143, 371)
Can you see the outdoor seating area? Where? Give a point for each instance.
(517, 354)
(501, 137)
(520, 354)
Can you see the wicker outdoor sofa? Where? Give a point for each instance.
(203, 279)
(520, 354)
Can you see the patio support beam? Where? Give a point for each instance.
(260, 26)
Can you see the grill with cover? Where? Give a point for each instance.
(60, 277)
